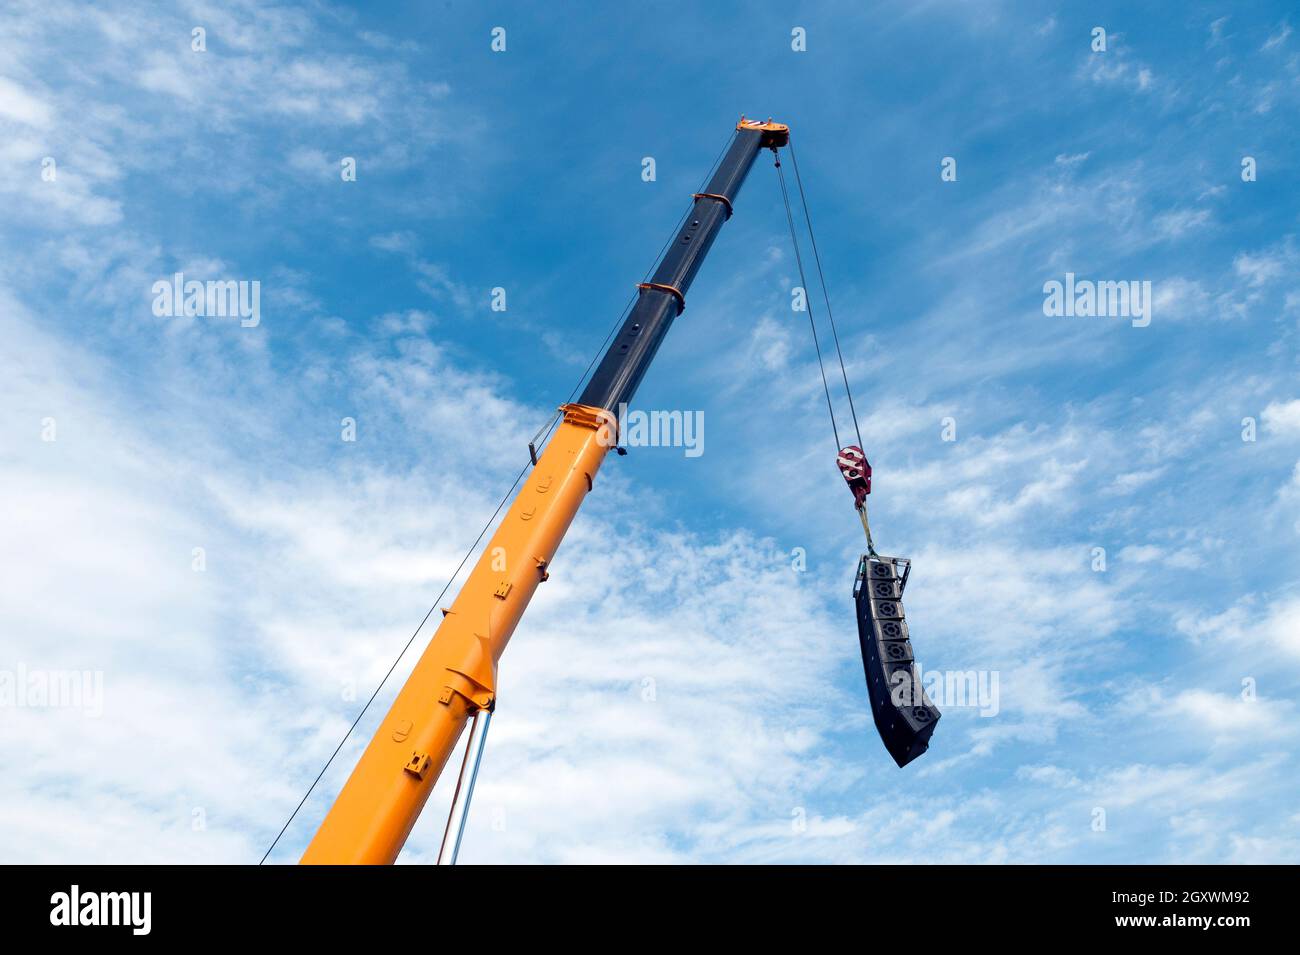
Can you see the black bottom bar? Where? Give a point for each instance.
(900, 906)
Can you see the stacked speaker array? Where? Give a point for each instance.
(904, 715)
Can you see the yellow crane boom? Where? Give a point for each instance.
(456, 675)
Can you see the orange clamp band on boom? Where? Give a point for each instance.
(713, 195)
(675, 292)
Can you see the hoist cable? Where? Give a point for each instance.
(794, 239)
(812, 237)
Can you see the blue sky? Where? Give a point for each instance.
(224, 690)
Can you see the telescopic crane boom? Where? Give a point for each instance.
(456, 676)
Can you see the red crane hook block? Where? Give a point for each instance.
(857, 472)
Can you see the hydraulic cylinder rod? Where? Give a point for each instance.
(460, 800)
(456, 675)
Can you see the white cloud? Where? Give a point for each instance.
(1231, 717)
(1052, 775)
(19, 105)
(1282, 418)
(314, 163)
(1114, 67)
(1282, 626)
(1143, 554)
(1130, 481)
(171, 75)
(1176, 224)
(1275, 625)
(1259, 268)
(1183, 558)
(1278, 38)
(1165, 788)
(999, 480)
(1178, 298)
(134, 100)
(1216, 32)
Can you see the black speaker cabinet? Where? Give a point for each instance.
(904, 715)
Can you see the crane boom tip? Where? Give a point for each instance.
(775, 135)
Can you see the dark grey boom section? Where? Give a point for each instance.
(664, 297)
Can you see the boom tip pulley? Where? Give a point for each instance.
(775, 135)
